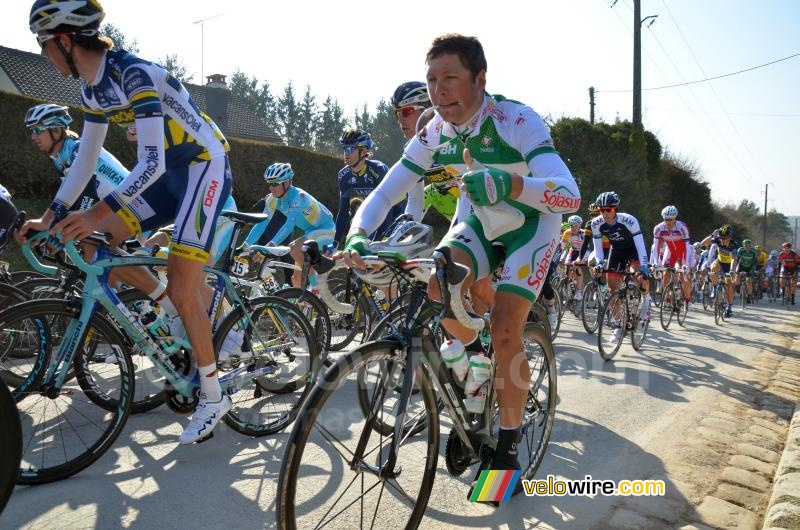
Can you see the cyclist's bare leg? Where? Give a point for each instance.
(482, 295)
(512, 372)
(186, 280)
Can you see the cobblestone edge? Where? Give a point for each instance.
(784, 504)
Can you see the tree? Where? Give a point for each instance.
(307, 119)
(331, 124)
(362, 121)
(176, 67)
(120, 41)
(268, 107)
(289, 116)
(386, 133)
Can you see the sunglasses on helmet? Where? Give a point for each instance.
(405, 112)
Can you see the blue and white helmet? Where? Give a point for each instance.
(575, 220)
(278, 172)
(607, 199)
(669, 212)
(356, 137)
(82, 16)
(47, 115)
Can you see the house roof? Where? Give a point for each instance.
(35, 77)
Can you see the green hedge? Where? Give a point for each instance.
(28, 173)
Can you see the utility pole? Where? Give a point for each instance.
(764, 240)
(637, 60)
(202, 43)
(591, 105)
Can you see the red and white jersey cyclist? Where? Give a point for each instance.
(671, 243)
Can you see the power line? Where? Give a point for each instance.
(752, 114)
(712, 78)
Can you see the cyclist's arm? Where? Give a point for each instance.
(597, 240)
(391, 190)
(655, 249)
(109, 172)
(93, 135)
(686, 239)
(268, 226)
(531, 138)
(638, 238)
(415, 202)
(343, 220)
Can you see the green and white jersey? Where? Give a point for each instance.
(503, 134)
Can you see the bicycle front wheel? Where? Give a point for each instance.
(611, 330)
(334, 470)
(10, 444)
(66, 430)
(591, 305)
(667, 308)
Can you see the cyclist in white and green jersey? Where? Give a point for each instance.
(519, 187)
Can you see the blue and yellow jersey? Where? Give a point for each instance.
(128, 87)
(296, 209)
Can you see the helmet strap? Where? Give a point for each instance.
(56, 147)
(68, 57)
(360, 159)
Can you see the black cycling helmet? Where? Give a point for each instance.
(356, 137)
(411, 94)
(607, 199)
(726, 231)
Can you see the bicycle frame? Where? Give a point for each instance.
(97, 292)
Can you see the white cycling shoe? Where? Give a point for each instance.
(204, 419)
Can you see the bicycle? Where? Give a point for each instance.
(721, 297)
(278, 364)
(595, 295)
(673, 302)
(621, 315)
(567, 288)
(746, 277)
(408, 357)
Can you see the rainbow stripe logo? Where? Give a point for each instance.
(495, 485)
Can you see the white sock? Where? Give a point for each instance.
(209, 384)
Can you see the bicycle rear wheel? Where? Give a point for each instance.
(345, 328)
(314, 310)
(66, 431)
(322, 451)
(277, 336)
(667, 308)
(540, 404)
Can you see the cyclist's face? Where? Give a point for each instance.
(408, 120)
(452, 89)
(51, 52)
(42, 140)
(669, 222)
(351, 156)
(279, 190)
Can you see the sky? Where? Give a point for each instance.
(741, 131)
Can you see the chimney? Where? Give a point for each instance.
(216, 81)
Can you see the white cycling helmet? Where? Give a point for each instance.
(411, 239)
(278, 172)
(669, 212)
(575, 220)
(48, 115)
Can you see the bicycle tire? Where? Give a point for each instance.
(10, 445)
(608, 322)
(666, 309)
(33, 403)
(296, 502)
(316, 313)
(591, 305)
(268, 404)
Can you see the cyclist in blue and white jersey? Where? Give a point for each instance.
(519, 187)
(358, 178)
(289, 207)
(182, 158)
(49, 127)
(626, 250)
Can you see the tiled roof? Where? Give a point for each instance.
(33, 76)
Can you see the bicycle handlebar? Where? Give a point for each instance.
(312, 257)
(33, 259)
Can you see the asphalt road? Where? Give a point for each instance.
(625, 419)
